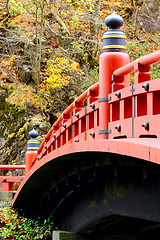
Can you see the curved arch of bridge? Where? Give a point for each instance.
(65, 179)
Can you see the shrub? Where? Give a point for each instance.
(16, 227)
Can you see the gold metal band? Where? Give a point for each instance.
(114, 46)
(34, 142)
(114, 36)
(32, 148)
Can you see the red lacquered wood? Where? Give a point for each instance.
(107, 64)
(7, 167)
(150, 58)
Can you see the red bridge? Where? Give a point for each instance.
(98, 168)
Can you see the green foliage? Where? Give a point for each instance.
(15, 227)
(148, 43)
(93, 77)
(155, 71)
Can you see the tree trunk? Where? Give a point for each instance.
(7, 6)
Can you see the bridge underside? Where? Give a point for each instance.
(121, 200)
(99, 194)
(116, 227)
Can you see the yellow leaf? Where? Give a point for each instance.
(11, 135)
(8, 152)
(22, 137)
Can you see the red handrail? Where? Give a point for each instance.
(7, 167)
(7, 181)
(150, 58)
(80, 100)
(144, 61)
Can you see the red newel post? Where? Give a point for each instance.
(113, 57)
(32, 147)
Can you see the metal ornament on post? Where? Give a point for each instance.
(32, 147)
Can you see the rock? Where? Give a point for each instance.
(44, 128)
(41, 125)
(6, 198)
(31, 84)
(30, 105)
(2, 142)
(25, 73)
(72, 93)
(147, 17)
(142, 40)
(37, 119)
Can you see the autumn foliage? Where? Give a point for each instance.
(72, 29)
(60, 72)
(51, 34)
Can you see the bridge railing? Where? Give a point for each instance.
(135, 110)
(7, 181)
(138, 65)
(77, 122)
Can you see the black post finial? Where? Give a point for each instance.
(33, 143)
(114, 39)
(114, 21)
(33, 133)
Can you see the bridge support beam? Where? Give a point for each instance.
(62, 235)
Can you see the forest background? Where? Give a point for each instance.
(49, 54)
